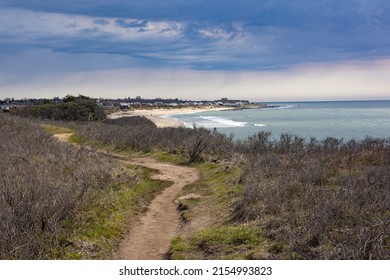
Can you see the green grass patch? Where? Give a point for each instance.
(219, 181)
(239, 235)
(74, 138)
(168, 157)
(51, 129)
(221, 242)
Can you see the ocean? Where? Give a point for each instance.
(340, 119)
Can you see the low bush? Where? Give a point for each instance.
(131, 121)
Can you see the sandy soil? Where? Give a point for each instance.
(160, 116)
(64, 137)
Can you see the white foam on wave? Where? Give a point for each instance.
(259, 124)
(222, 122)
(285, 107)
(213, 122)
(281, 107)
(207, 121)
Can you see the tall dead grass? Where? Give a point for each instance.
(42, 184)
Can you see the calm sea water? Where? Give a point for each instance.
(341, 119)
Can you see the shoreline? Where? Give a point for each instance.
(161, 117)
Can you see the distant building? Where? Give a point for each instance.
(124, 105)
(5, 108)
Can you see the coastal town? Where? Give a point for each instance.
(138, 102)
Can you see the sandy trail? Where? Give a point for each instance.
(149, 238)
(63, 137)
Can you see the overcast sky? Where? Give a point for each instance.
(263, 50)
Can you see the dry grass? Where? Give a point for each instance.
(42, 184)
(319, 200)
(140, 134)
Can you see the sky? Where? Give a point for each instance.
(261, 50)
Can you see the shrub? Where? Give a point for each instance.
(195, 144)
(131, 121)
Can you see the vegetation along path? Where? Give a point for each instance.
(149, 238)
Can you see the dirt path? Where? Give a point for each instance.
(150, 237)
(63, 137)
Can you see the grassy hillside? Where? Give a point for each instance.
(258, 198)
(313, 199)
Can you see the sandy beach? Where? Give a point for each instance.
(161, 117)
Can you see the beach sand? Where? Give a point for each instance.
(161, 116)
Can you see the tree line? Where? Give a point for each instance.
(72, 108)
